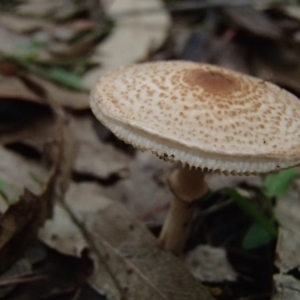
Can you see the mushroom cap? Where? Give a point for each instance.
(202, 115)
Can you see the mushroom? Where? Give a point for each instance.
(207, 118)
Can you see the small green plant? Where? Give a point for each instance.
(275, 185)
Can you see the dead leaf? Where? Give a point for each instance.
(14, 88)
(21, 25)
(254, 21)
(131, 39)
(128, 259)
(219, 181)
(94, 157)
(146, 188)
(292, 11)
(210, 264)
(144, 191)
(40, 8)
(12, 43)
(8, 280)
(20, 223)
(16, 172)
(287, 212)
(62, 96)
(287, 287)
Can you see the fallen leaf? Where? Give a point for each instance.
(128, 259)
(210, 264)
(62, 96)
(9, 279)
(94, 157)
(287, 212)
(292, 11)
(21, 25)
(219, 181)
(12, 43)
(146, 188)
(40, 8)
(144, 191)
(14, 88)
(16, 172)
(287, 287)
(132, 37)
(254, 21)
(20, 222)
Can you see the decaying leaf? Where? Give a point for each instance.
(16, 172)
(21, 221)
(21, 25)
(38, 8)
(62, 96)
(12, 43)
(254, 21)
(287, 212)
(14, 88)
(288, 257)
(94, 157)
(128, 260)
(132, 38)
(8, 280)
(287, 287)
(210, 264)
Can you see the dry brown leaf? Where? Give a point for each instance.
(16, 172)
(62, 96)
(14, 88)
(287, 212)
(254, 21)
(41, 8)
(12, 43)
(21, 25)
(93, 156)
(21, 221)
(144, 191)
(25, 114)
(128, 259)
(287, 287)
(16, 272)
(292, 11)
(219, 181)
(210, 264)
(132, 38)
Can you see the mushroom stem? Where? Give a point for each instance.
(187, 185)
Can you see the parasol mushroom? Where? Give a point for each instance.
(207, 118)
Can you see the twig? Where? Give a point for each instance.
(22, 279)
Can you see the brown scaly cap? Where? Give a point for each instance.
(201, 115)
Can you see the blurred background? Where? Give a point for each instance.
(63, 175)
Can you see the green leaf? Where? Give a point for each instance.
(252, 211)
(256, 237)
(278, 184)
(65, 78)
(1, 185)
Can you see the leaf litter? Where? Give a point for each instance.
(138, 267)
(89, 225)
